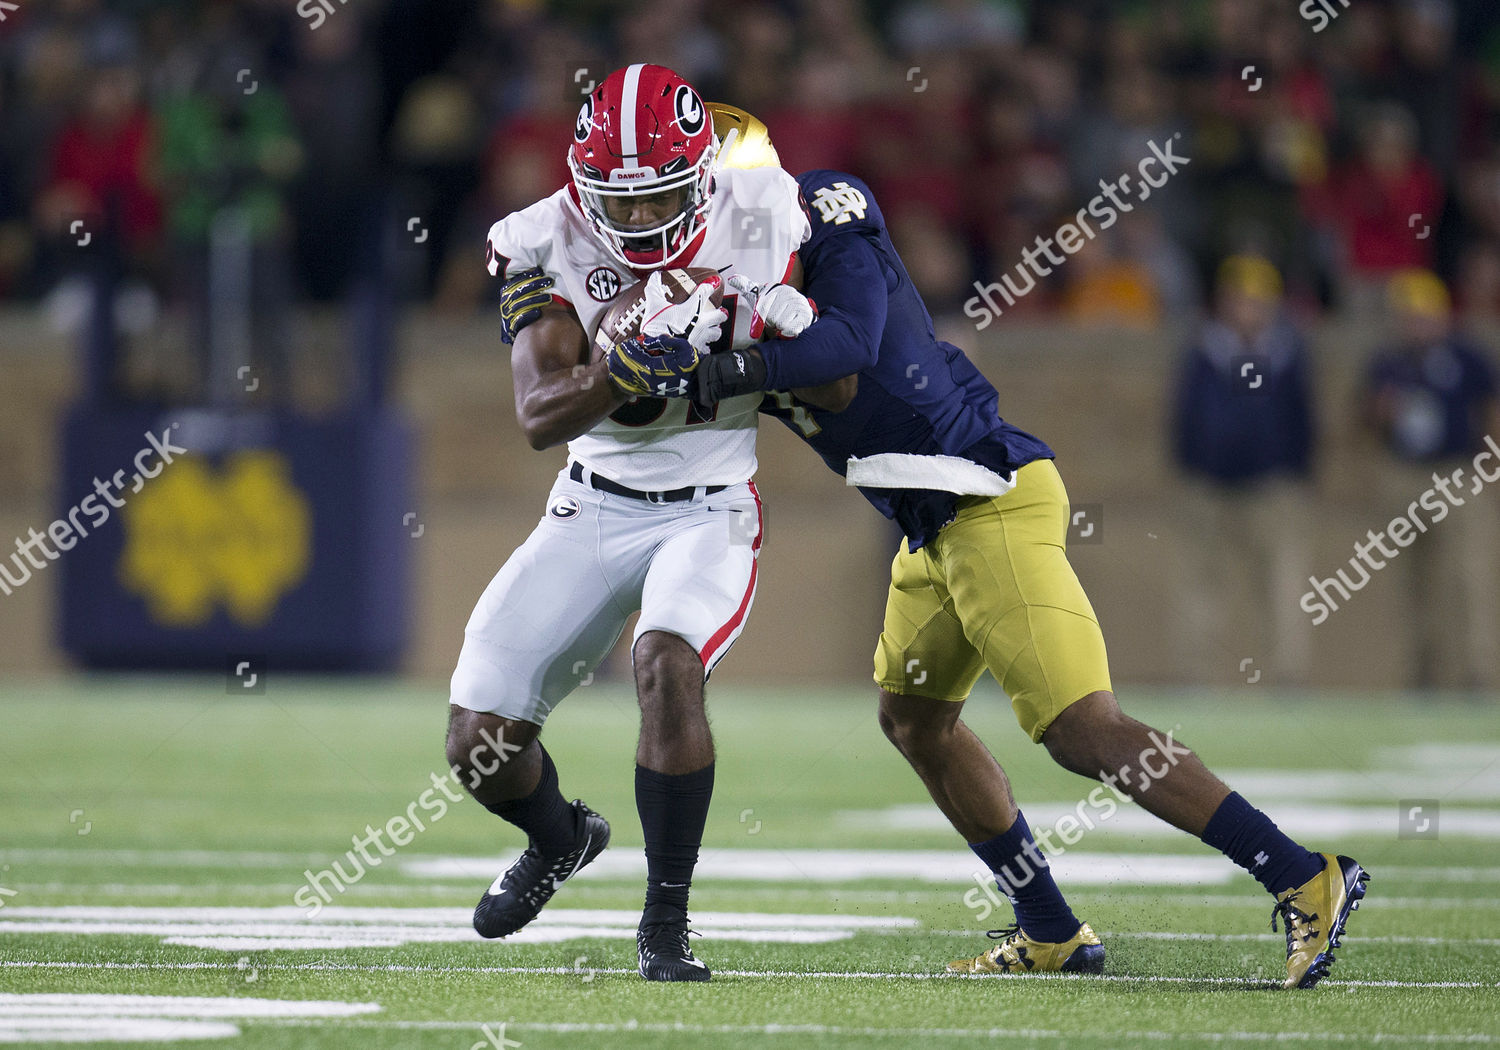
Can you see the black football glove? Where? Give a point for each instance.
(728, 374)
(521, 301)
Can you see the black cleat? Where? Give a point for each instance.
(662, 942)
(515, 898)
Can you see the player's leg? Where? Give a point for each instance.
(543, 623)
(697, 595)
(959, 772)
(1315, 892)
(1046, 649)
(675, 738)
(925, 667)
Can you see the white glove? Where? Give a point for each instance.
(697, 319)
(781, 308)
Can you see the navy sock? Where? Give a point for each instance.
(673, 811)
(1023, 875)
(550, 824)
(1252, 840)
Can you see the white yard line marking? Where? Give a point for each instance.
(1253, 900)
(110, 1029)
(1079, 867)
(1159, 935)
(166, 858)
(72, 1018)
(564, 971)
(1300, 819)
(564, 1027)
(1269, 938)
(337, 916)
(1454, 782)
(848, 865)
(266, 929)
(188, 1006)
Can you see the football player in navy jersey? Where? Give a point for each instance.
(983, 582)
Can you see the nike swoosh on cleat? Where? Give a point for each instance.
(587, 839)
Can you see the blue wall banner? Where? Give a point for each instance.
(201, 537)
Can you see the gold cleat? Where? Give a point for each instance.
(1018, 953)
(1315, 914)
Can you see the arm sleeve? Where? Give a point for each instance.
(849, 286)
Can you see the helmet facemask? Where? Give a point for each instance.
(657, 243)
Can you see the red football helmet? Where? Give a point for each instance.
(644, 133)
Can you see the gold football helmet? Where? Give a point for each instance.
(744, 141)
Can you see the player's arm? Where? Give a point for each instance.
(558, 396)
(848, 282)
(831, 397)
(849, 286)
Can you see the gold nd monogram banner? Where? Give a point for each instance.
(197, 539)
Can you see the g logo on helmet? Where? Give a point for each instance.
(564, 507)
(585, 120)
(691, 116)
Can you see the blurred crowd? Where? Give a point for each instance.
(1343, 161)
(1341, 149)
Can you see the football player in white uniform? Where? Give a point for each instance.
(654, 511)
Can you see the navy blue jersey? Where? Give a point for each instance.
(916, 395)
(1440, 395)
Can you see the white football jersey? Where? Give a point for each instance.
(755, 224)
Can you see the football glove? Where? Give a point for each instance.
(728, 374)
(697, 320)
(653, 366)
(781, 309)
(521, 301)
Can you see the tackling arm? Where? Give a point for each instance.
(558, 397)
(830, 380)
(834, 396)
(852, 297)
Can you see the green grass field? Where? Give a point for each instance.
(153, 834)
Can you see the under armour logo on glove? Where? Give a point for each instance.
(677, 389)
(654, 366)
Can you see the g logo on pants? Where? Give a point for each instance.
(563, 508)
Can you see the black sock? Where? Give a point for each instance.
(673, 811)
(545, 816)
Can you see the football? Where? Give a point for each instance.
(623, 318)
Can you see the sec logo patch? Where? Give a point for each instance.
(564, 507)
(602, 283)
